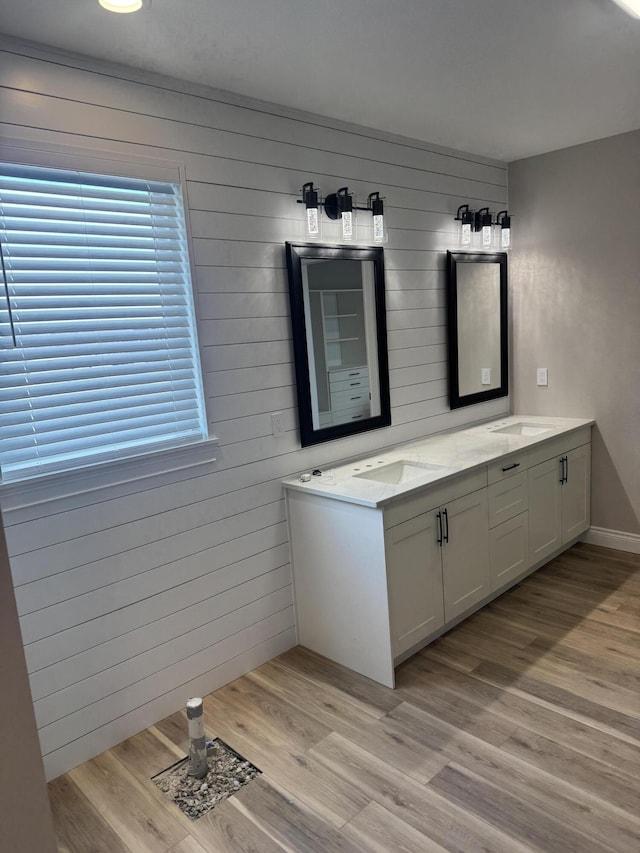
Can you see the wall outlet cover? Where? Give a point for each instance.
(486, 376)
(277, 424)
(543, 376)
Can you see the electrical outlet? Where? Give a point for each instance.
(277, 424)
(543, 376)
(486, 376)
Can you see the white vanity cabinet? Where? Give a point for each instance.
(381, 569)
(559, 494)
(465, 553)
(508, 519)
(437, 562)
(414, 579)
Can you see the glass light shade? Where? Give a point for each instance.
(486, 237)
(505, 238)
(347, 224)
(379, 230)
(313, 222)
(465, 235)
(121, 6)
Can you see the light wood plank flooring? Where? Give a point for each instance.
(519, 730)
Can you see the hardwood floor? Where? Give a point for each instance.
(519, 730)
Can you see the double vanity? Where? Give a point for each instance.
(391, 551)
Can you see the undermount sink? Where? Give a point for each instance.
(399, 472)
(522, 428)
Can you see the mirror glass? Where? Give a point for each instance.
(339, 333)
(477, 308)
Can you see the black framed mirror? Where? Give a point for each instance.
(339, 331)
(477, 327)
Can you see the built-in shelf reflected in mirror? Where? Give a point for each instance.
(477, 327)
(339, 338)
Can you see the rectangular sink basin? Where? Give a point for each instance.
(522, 428)
(399, 472)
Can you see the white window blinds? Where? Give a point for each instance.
(98, 350)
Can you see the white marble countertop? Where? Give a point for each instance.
(457, 452)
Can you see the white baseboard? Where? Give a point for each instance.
(617, 539)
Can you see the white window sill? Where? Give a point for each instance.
(61, 484)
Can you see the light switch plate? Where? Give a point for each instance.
(486, 376)
(543, 376)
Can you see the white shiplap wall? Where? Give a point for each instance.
(135, 593)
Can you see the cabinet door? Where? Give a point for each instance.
(465, 557)
(576, 493)
(509, 543)
(545, 515)
(414, 578)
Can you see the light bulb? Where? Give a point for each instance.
(121, 6)
(347, 224)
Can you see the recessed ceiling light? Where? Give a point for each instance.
(631, 7)
(123, 6)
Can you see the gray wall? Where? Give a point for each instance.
(138, 589)
(25, 818)
(575, 279)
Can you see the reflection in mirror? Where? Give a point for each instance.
(478, 327)
(339, 308)
(337, 302)
(477, 308)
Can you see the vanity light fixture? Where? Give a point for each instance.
(483, 225)
(503, 225)
(311, 201)
(341, 205)
(466, 219)
(345, 212)
(481, 222)
(123, 6)
(376, 205)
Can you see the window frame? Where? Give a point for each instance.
(143, 461)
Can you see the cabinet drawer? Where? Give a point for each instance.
(430, 497)
(556, 446)
(343, 416)
(348, 373)
(359, 384)
(507, 467)
(508, 498)
(349, 399)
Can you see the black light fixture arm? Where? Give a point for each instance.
(482, 217)
(335, 203)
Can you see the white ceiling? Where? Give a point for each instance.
(503, 78)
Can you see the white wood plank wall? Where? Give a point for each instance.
(135, 595)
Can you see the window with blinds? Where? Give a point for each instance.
(98, 349)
